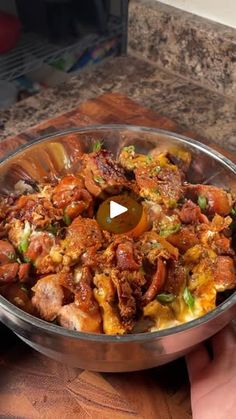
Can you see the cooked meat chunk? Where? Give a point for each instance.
(48, 297)
(3, 231)
(8, 273)
(10, 270)
(224, 273)
(38, 211)
(18, 297)
(38, 252)
(84, 297)
(125, 255)
(170, 185)
(127, 303)
(184, 239)
(73, 318)
(71, 196)
(152, 246)
(121, 253)
(83, 234)
(7, 252)
(126, 296)
(157, 282)
(218, 201)
(66, 190)
(222, 245)
(92, 258)
(176, 278)
(24, 271)
(213, 236)
(80, 284)
(88, 232)
(127, 278)
(101, 172)
(4, 207)
(161, 185)
(191, 213)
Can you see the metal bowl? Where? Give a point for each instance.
(53, 155)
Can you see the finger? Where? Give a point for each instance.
(223, 342)
(197, 361)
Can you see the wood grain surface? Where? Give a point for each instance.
(33, 386)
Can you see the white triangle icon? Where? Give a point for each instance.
(116, 209)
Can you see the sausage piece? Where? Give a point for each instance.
(218, 201)
(125, 256)
(7, 252)
(157, 282)
(224, 273)
(8, 272)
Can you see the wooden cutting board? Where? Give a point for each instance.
(33, 386)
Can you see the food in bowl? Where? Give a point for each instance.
(166, 259)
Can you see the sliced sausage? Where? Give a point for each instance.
(7, 252)
(157, 283)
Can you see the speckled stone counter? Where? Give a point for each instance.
(209, 114)
(191, 46)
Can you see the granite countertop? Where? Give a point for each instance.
(210, 114)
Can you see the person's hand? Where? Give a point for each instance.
(213, 381)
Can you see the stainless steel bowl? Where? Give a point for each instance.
(51, 156)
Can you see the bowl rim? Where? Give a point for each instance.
(136, 337)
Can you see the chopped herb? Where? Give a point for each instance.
(23, 246)
(166, 231)
(98, 179)
(23, 288)
(202, 202)
(233, 211)
(172, 203)
(52, 229)
(156, 245)
(18, 260)
(188, 298)
(155, 171)
(26, 259)
(24, 242)
(67, 219)
(97, 145)
(11, 256)
(165, 297)
(149, 159)
(154, 190)
(129, 149)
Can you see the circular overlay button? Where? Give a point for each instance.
(119, 214)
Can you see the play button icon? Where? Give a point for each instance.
(119, 214)
(116, 209)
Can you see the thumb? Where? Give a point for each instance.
(197, 360)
